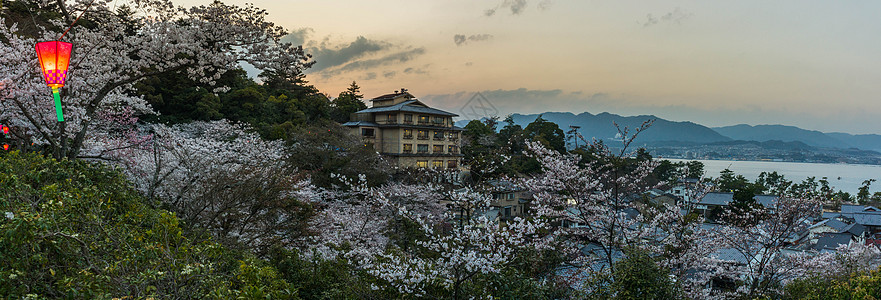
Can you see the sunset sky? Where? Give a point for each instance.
(812, 64)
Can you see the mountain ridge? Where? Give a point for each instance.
(601, 126)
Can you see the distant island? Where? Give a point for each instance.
(689, 140)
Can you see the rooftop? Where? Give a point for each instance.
(408, 106)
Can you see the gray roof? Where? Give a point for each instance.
(730, 254)
(855, 229)
(836, 224)
(360, 123)
(851, 208)
(407, 106)
(830, 214)
(832, 241)
(723, 199)
(867, 219)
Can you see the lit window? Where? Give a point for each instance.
(437, 163)
(422, 164)
(452, 164)
(408, 148)
(438, 149)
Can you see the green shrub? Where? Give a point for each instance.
(71, 229)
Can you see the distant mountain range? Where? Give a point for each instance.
(665, 132)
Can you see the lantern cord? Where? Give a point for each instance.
(77, 19)
(58, 112)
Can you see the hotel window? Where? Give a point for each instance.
(437, 163)
(438, 149)
(439, 135)
(368, 132)
(408, 118)
(423, 135)
(453, 149)
(408, 133)
(423, 119)
(453, 135)
(392, 118)
(422, 164)
(438, 120)
(422, 148)
(452, 164)
(408, 148)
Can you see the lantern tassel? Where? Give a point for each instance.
(58, 104)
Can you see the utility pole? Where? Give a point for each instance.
(573, 134)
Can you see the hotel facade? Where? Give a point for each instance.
(408, 132)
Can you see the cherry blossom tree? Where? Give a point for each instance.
(767, 264)
(598, 206)
(222, 178)
(202, 41)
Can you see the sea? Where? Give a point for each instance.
(845, 177)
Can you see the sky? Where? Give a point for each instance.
(812, 64)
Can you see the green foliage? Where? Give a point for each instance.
(855, 286)
(638, 276)
(70, 229)
(547, 133)
(347, 103)
(318, 278)
(273, 109)
(327, 148)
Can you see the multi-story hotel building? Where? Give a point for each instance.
(410, 133)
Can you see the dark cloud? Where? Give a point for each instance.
(329, 57)
(389, 74)
(393, 58)
(468, 64)
(676, 16)
(516, 6)
(416, 71)
(460, 39)
(297, 37)
(369, 76)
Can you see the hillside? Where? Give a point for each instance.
(601, 126)
(764, 133)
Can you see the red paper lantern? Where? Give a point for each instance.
(54, 59)
(5, 129)
(5, 147)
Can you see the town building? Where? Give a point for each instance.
(408, 132)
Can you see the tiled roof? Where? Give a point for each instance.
(406, 107)
(832, 241)
(723, 199)
(359, 123)
(391, 96)
(855, 229)
(868, 219)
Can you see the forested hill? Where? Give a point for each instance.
(601, 126)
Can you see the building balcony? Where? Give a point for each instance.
(407, 151)
(408, 122)
(422, 138)
(438, 138)
(422, 152)
(408, 137)
(452, 139)
(424, 123)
